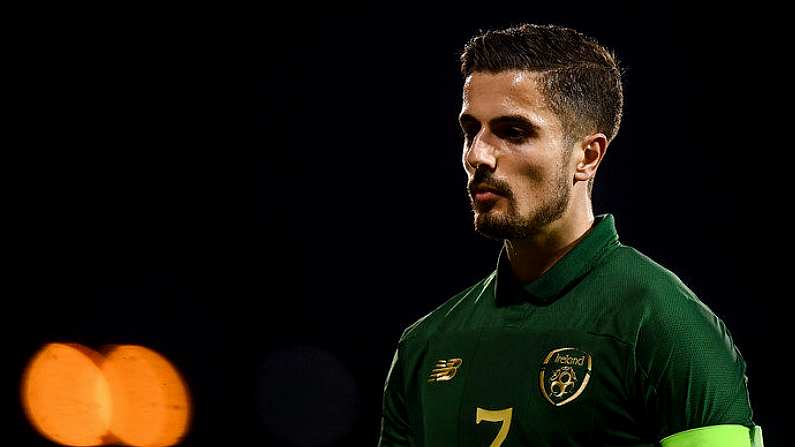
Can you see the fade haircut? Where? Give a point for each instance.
(579, 79)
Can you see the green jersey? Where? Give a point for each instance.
(607, 347)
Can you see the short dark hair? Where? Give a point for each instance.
(580, 79)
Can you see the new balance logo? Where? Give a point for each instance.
(444, 370)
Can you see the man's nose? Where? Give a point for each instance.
(481, 151)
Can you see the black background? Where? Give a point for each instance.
(275, 261)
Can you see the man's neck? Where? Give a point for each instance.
(531, 257)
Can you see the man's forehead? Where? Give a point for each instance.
(506, 92)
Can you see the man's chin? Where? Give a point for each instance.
(487, 226)
(491, 233)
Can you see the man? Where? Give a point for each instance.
(575, 339)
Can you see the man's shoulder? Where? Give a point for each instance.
(450, 308)
(657, 296)
(648, 281)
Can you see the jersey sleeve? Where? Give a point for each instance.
(395, 427)
(689, 374)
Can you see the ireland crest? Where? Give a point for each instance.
(564, 375)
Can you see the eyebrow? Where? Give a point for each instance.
(503, 119)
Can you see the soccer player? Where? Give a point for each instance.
(575, 338)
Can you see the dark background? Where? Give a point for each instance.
(276, 261)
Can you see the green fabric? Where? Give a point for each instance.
(661, 362)
(727, 435)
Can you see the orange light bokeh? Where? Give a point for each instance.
(151, 406)
(132, 396)
(66, 396)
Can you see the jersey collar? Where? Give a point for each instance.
(556, 281)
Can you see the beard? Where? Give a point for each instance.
(511, 225)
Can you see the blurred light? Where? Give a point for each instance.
(307, 396)
(66, 396)
(133, 396)
(151, 406)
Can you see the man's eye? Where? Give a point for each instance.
(469, 133)
(514, 134)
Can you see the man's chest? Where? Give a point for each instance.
(512, 386)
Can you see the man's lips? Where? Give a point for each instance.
(484, 188)
(485, 196)
(485, 193)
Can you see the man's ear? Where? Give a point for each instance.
(590, 153)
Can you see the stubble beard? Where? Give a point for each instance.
(499, 225)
